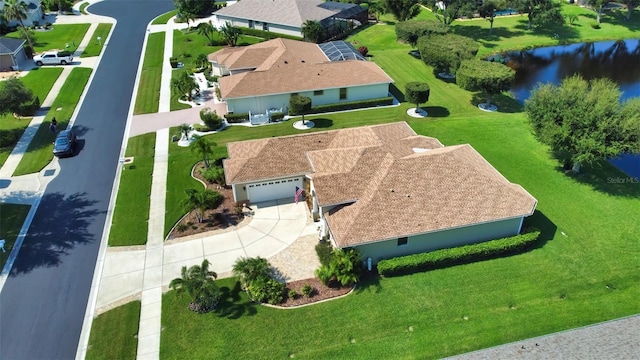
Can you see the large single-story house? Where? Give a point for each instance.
(34, 13)
(262, 77)
(11, 53)
(288, 16)
(383, 189)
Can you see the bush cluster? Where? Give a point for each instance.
(267, 290)
(266, 34)
(237, 117)
(276, 116)
(9, 137)
(210, 118)
(352, 105)
(324, 250)
(409, 31)
(344, 267)
(29, 108)
(214, 175)
(459, 255)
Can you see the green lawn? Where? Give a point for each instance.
(58, 38)
(39, 153)
(164, 18)
(95, 47)
(83, 6)
(40, 81)
(129, 225)
(148, 96)
(114, 334)
(11, 219)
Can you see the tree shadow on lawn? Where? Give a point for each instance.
(435, 111)
(560, 32)
(369, 282)
(233, 304)
(606, 178)
(482, 35)
(505, 103)
(322, 123)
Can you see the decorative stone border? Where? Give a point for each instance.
(306, 126)
(420, 114)
(308, 304)
(487, 107)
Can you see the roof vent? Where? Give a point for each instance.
(286, 62)
(408, 195)
(301, 60)
(392, 190)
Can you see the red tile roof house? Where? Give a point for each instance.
(383, 189)
(262, 77)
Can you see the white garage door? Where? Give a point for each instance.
(273, 189)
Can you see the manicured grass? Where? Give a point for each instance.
(39, 153)
(11, 219)
(95, 47)
(40, 81)
(131, 214)
(584, 271)
(83, 6)
(148, 96)
(164, 18)
(58, 38)
(114, 333)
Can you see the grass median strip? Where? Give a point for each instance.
(148, 97)
(40, 150)
(164, 18)
(12, 217)
(97, 41)
(131, 215)
(114, 334)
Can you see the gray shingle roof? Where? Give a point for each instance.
(10, 45)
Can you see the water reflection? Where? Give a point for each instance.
(617, 60)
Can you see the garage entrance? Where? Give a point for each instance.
(273, 189)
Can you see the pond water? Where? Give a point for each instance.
(617, 60)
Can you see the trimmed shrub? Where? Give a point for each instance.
(344, 268)
(237, 118)
(29, 108)
(214, 175)
(266, 34)
(293, 294)
(307, 290)
(410, 31)
(458, 255)
(210, 118)
(446, 52)
(324, 249)
(352, 105)
(276, 116)
(363, 50)
(266, 290)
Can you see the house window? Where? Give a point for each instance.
(294, 94)
(265, 27)
(403, 241)
(343, 93)
(318, 92)
(250, 24)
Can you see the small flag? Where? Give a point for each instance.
(298, 194)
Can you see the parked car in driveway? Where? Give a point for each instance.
(65, 143)
(53, 57)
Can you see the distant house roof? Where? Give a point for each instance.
(287, 66)
(10, 45)
(386, 181)
(289, 12)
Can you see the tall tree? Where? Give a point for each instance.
(201, 201)
(598, 6)
(417, 93)
(312, 31)
(185, 85)
(197, 8)
(202, 61)
(299, 105)
(13, 94)
(204, 148)
(584, 121)
(376, 8)
(489, 77)
(199, 282)
(448, 11)
(488, 10)
(631, 5)
(207, 30)
(446, 52)
(402, 10)
(539, 12)
(230, 34)
(18, 10)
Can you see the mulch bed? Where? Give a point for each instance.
(320, 292)
(220, 218)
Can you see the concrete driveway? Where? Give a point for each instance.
(280, 231)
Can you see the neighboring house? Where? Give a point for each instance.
(11, 53)
(263, 76)
(383, 189)
(34, 13)
(288, 16)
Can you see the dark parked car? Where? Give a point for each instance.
(65, 143)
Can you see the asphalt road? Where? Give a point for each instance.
(43, 302)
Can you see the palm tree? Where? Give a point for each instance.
(202, 61)
(312, 31)
(187, 16)
(204, 148)
(185, 85)
(18, 10)
(199, 283)
(251, 269)
(207, 30)
(230, 33)
(185, 129)
(201, 201)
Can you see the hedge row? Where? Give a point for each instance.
(237, 117)
(459, 255)
(409, 31)
(276, 116)
(352, 105)
(266, 34)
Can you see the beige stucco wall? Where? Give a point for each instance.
(440, 240)
(221, 20)
(239, 192)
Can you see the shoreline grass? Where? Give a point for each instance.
(148, 96)
(40, 150)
